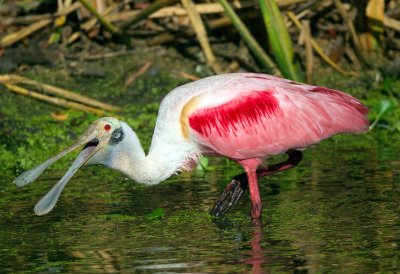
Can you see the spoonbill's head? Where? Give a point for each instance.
(98, 142)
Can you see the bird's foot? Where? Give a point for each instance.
(230, 196)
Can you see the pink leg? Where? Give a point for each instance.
(234, 190)
(256, 206)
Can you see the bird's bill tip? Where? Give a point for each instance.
(47, 203)
(31, 175)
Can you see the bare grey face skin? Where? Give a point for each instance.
(116, 137)
(101, 133)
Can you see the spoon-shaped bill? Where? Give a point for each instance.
(31, 175)
(49, 200)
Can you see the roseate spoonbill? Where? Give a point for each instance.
(245, 117)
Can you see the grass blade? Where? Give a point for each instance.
(253, 45)
(279, 40)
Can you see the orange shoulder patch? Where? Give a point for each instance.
(186, 111)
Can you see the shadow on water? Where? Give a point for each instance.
(338, 211)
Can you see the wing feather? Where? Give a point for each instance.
(240, 113)
(266, 122)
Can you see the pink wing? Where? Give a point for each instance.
(258, 123)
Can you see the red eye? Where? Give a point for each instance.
(107, 127)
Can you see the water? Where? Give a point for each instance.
(337, 212)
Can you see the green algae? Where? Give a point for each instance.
(116, 217)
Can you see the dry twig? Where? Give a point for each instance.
(161, 9)
(52, 100)
(352, 30)
(88, 25)
(109, 55)
(113, 29)
(22, 33)
(189, 76)
(391, 23)
(211, 25)
(25, 32)
(12, 79)
(321, 53)
(136, 74)
(143, 14)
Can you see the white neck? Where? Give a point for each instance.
(164, 158)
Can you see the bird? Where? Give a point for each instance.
(245, 117)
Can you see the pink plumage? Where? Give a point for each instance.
(263, 115)
(285, 115)
(239, 113)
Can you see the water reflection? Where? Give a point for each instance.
(257, 254)
(337, 212)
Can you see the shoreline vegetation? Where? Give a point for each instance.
(76, 60)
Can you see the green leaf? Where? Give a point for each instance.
(397, 125)
(155, 214)
(54, 38)
(381, 108)
(203, 164)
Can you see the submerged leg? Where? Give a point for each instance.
(230, 196)
(234, 190)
